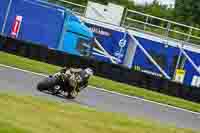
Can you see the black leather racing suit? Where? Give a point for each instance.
(76, 78)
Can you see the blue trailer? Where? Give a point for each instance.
(147, 53)
(45, 24)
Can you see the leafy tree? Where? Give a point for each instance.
(188, 11)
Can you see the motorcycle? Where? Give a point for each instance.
(59, 83)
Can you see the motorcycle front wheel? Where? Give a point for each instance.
(72, 93)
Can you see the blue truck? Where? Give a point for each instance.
(46, 24)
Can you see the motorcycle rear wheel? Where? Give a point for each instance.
(47, 84)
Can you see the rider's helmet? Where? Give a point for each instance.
(89, 71)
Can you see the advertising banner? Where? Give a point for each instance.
(165, 57)
(192, 75)
(109, 45)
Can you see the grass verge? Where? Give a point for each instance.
(40, 67)
(26, 114)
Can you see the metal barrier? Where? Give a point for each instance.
(147, 23)
(161, 27)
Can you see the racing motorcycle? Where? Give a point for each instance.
(68, 85)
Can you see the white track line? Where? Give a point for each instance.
(112, 92)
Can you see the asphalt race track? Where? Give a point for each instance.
(25, 83)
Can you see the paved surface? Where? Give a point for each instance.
(25, 83)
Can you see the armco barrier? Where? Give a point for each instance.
(102, 69)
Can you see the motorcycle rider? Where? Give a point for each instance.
(77, 78)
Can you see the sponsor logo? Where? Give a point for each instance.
(99, 31)
(138, 68)
(195, 81)
(122, 43)
(152, 73)
(16, 26)
(180, 75)
(120, 54)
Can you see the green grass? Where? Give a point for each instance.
(40, 67)
(26, 114)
